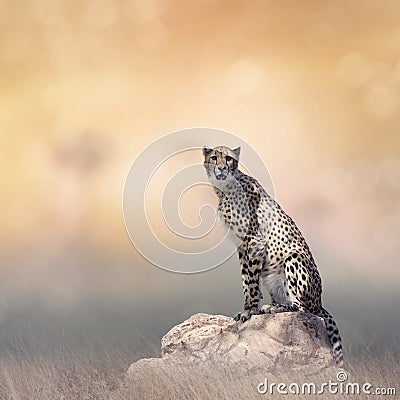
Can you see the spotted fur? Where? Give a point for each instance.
(271, 248)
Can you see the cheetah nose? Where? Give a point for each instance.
(222, 169)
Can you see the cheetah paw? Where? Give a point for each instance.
(269, 309)
(246, 314)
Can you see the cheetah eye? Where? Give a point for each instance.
(228, 158)
(214, 158)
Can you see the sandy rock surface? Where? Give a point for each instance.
(266, 344)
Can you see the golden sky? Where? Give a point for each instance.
(313, 86)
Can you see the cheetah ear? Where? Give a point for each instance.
(236, 152)
(206, 150)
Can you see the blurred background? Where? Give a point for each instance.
(313, 86)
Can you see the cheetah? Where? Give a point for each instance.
(270, 246)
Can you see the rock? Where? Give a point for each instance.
(266, 345)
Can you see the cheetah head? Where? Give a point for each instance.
(220, 163)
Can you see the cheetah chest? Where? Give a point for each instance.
(223, 221)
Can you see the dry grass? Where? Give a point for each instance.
(78, 374)
(64, 374)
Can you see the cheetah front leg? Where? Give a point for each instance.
(250, 269)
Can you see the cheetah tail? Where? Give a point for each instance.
(334, 336)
